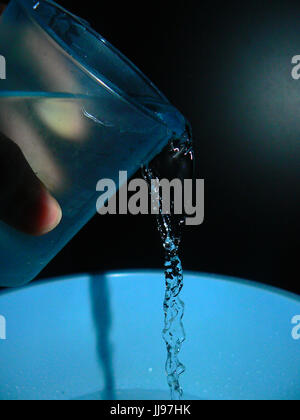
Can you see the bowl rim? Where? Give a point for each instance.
(157, 272)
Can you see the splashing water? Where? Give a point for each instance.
(179, 152)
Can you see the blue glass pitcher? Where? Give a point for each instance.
(80, 111)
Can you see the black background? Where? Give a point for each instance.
(227, 67)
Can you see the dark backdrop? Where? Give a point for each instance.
(228, 69)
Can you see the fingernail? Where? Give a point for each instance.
(52, 216)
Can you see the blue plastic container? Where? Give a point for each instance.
(99, 336)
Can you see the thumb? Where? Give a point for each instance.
(25, 203)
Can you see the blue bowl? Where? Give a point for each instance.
(99, 337)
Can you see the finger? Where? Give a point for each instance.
(24, 201)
